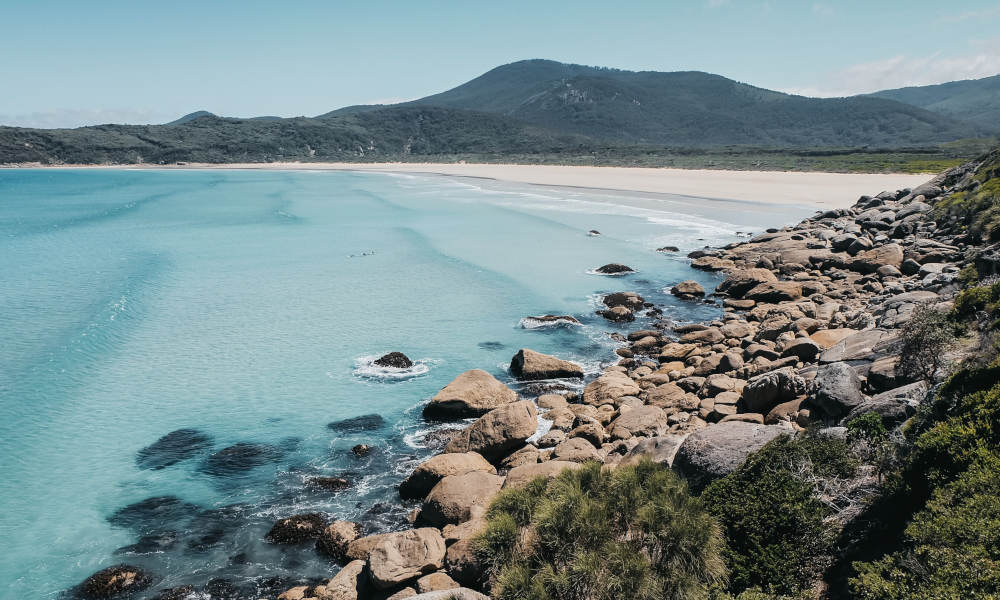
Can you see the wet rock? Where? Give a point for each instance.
(530, 365)
(361, 450)
(355, 424)
(154, 514)
(668, 249)
(172, 448)
(618, 314)
(614, 269)
(836, 389)
(335, 539)
(395, 360)
(151, 544)
(716, 451)
(406, 555)
(297, 529)
(763, 392)
(629, 300)
(330, 484)
(119, 580)
(556, 319)
(240, 458)
(688, 290)
(471, 394)
(498, 431)
(458, 498)
(430, 472)
(183, 592)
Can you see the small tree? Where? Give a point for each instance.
(926, 339)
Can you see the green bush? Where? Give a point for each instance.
(868, 428)
(594, 534)
(776, 536)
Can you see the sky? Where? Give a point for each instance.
(67, 63)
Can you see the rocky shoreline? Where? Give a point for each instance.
(809, 339)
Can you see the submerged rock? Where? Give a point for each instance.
(332, 484)
(396, 360)
(668, 249)
(297, 529)
(361, 450)
(172, 448)
(157, 513)
(240, 458)
(531, 365)
(614, 269)
(361, 423)
(115, 581)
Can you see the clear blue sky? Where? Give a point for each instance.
(67, 63)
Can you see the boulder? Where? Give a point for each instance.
(436, 468)
(530, 365)
(498, 431)
(837, 389)
(297, 529)
(775, 291)
(471, 394)
(406, 555)
(618, 314)
(894, 406)
(826, 338)
(716, 451)
(738, 283)
(869, 261)
(118, 580)
(395, 360)
(629, 300)
(712, 335)
(335, 539)
(575, 449)
(614, 269)
(361, 449)
(642, 421)
(463, 564)
(660, 449)
(804, 349)
(763, 392)
(360, 548)
(608, 388)
(859, 346)
(550, 401)
(737, 329)
(519, 476)
(436, 582)
(357, 424)
(688, 290)
(458, 498)
(350, 583)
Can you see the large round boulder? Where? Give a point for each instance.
(608, 388)
(765, 391)
(530, 365)
(405, 555)
(522, 475)
(458, 498)
(646, 421)
(716, 451)
(837, 389)
(436, 468)
(471, 394)
(688, 290)
(738, 283)
(498, 431)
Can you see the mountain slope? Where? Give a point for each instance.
(973, 100)
(389, 133)
(689, 108)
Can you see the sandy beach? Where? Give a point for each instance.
(820, 190)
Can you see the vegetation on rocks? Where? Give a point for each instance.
(634, 532)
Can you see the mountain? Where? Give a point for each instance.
(973, 100)
(191, 116)
(688, 108)
(528, 109)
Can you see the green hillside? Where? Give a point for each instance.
(973, 100)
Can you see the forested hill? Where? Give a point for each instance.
(534, 110)
(973, 100)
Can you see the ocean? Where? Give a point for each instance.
(247, 306)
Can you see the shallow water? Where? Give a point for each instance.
(247, 306)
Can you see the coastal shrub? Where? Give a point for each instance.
(868, 428)
(777, 539)
(634, 532)
(925, 339)
(977, 210)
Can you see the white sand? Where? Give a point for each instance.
(820, 190)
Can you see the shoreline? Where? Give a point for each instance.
(793, 188)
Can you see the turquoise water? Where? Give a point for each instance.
(247, 304)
